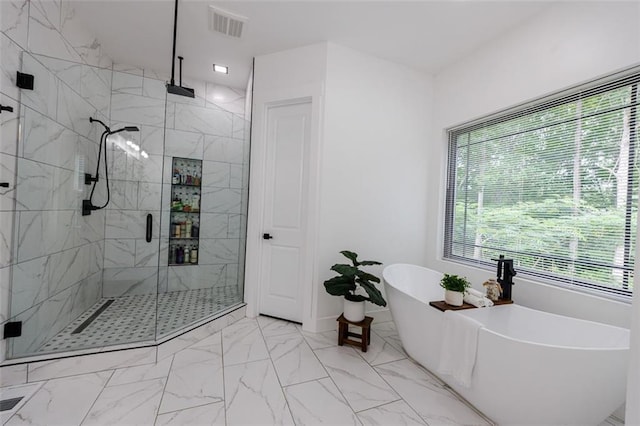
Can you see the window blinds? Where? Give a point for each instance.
(554, 185)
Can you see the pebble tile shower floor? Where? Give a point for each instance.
(133, 318)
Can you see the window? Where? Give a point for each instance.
(553, 185)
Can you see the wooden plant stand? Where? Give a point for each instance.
(344, 333)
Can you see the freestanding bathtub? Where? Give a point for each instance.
(532, 367)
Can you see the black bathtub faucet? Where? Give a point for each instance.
(505, 276)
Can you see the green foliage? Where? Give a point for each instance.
(454, 283)
(352, 278)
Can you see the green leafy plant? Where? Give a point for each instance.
(454, 283)
(351, 278)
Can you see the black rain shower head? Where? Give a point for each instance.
(125, 129)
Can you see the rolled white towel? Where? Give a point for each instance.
(474, 292)
(479, 302)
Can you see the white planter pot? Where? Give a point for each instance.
(453, 298)
(353, 311)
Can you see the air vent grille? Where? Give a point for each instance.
(223, 22)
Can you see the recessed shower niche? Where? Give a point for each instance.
(184, 234)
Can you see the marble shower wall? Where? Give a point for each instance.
(49, 251)
(210, 128)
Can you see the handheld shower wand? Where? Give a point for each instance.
(87, 205)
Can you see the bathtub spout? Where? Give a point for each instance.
(505, 276)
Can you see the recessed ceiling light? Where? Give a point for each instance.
(221, 68)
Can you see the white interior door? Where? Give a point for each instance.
(284, 223)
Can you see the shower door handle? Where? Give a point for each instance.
(149, 227)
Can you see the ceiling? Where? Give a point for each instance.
(426, 35)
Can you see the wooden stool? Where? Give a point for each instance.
(344, 333)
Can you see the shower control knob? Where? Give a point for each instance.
(267, 237)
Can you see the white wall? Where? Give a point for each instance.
(368, 158)
(566, 45)
(377, 120)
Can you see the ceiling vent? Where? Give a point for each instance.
(227, 23)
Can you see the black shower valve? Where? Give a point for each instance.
(88, 207)
(89, 179)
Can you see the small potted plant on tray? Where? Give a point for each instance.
(454, 287)
(355, 285)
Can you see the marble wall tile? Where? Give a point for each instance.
(170, 115)
(359, 383)
(218, 251)
(228, 98)
(44, 232)
(130, 404)
(216, 174)
(14, 20)
(127, 68)
(130, 224)
(214, 225)
(317, 402)
(225, 149)
(293, 359)
(44, 187)
(152, 139)
(204, 120)
(86, 293)
(233, 277)
(185, 144)
(154, 88)
(194, 277)
(196, 377)
(119, 253)
(59, 402)
(88, 229)
(8, 166)
(236, 177)
(5, 296)
(80, 38)
(67, 71)
(209, 414)
(149, 195)
(45, 370)
(46, 141)
(9, 126)
(146, 253)
(137, 109)
(234, 225)
(254, 385)
(11, 62)
(124, 195)
(129, 281)
(73, 110)
(70, 266)
(240, 126)
(221, 200)
(95, 87)
(44, 35)
(44, 96)
(127, 83)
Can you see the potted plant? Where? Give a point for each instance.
(454, 287)
(355, 285)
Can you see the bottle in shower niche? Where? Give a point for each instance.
(179, 255)
(194, 255)
(187, 254)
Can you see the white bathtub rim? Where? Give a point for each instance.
(528, 342)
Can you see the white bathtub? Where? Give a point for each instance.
(532, 367)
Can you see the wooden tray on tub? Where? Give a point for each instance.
(443, 306)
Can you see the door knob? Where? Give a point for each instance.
(267, 237)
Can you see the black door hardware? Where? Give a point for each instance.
(24, 81)
(267, 237)
(149, 227)
(5, 108)
(4, 184)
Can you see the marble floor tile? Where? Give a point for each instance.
(20, 391)
(204, 415)
(434, 403)
(254, 396)
(62, 401)
(358, 381)
(140, 373)
(395, 413)
(380, 351)
(243, 342)
(319, 402)
(130, 404)
(293, 360)
(323, 340)
(195, 378)
(275, 327)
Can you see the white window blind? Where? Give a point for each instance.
(553, 185)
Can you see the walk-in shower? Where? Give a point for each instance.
(90, 281)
